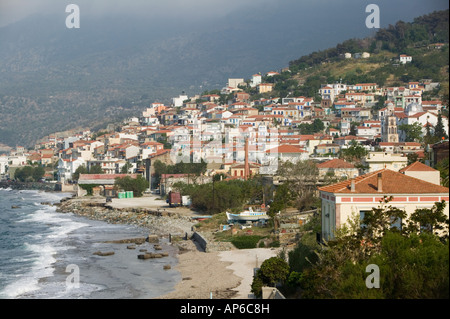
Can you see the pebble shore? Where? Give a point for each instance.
(158, 222)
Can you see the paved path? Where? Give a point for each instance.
(243, 262)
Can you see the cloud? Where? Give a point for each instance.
(172, 10)
(15, 10)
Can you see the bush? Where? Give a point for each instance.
(273, 270)
(29, 173)
(246, 241)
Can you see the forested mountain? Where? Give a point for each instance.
(54, 78)
(416, 38)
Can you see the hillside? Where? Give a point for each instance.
(416, 39)
(54, 79)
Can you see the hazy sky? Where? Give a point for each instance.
(14, 10)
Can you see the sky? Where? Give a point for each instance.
(15, 10)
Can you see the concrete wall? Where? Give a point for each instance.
(201, 241)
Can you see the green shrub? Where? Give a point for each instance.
(246, 241)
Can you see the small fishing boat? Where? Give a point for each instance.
(248, 215)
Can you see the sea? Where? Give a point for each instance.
(45, 254)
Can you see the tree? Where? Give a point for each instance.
(38, 173)
(29, 173)
(272, 271)
(95, 169)
(443, 167)
(354, 153)
(282, 199)
(301, 178)
(429, 138)
(137, 185)
(126, 168)
(412, 258)
(430, 220)
(413, 132)
(318, 126)
(439, 131)
(80, 170)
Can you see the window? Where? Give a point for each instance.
(362, 214)
(396, 223)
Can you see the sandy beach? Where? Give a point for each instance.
(222, 275)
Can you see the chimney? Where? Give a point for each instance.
(379, 183)
(247, 171)
(352, 185)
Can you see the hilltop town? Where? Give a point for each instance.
(351, 131)
(320, 160)
(214, 126)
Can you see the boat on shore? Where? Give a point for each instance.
(248, 215)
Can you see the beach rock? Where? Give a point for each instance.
(153, 239)
(166, 267)
(151, 255)
(131, 247)
(46, 203)
(137, 241)
(107, 253)
(157, 247)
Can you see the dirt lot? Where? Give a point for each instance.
(149, 201)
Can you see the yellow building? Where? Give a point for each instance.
(265, 87)
(341, 201)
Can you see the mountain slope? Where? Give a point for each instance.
(53, 78)
(415, 38)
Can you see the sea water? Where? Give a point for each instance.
(45, 254)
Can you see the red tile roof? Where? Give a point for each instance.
(392, 183)
(336, 163)
(416, 167)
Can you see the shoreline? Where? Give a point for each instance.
(202, 273)
(222, 274)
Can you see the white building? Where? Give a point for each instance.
(382, 160)
(405, 58)
(67, 167)
(234, 83)
(414, 113)
(330, 91)
(3, 164)
(256, 79)
(178, 101)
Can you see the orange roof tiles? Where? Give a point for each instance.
(392, 183)
(335, 163)
(417, 166)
